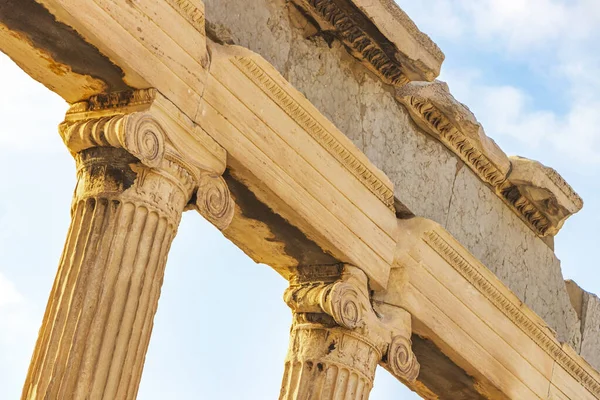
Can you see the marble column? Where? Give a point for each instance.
(337, 340)
(132, 188)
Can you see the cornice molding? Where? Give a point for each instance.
(562, 184)
(317, 131)
(194, 15)
(536, 193)
(470, 270)
(330, 16)
(524, 208)
(455, 139)
(380, 35)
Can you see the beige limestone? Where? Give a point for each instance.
(435, 110)
(587, 306)
(479, 219)
(380, 35)
(537, 194)
(547, 193)
(296, 161)
(101, 46)
(204, 108)
(429, 179)
(472, 318)
(590, 330)
(337, 339)
(132, 188)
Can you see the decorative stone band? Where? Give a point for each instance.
(132, 121)
(512, 310)
(192, 10)
(380, 35)
(320, 133)
(346, 301)
(537, 194)
(115, 101)
(331, 17)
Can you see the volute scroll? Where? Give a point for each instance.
(138, 133)
(214, 201)
(151, 129)
(333, 313)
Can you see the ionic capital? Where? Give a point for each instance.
(164, 142)
(338, 297)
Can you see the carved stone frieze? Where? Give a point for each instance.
(434, 110)
(540, 194)
(537, 194)
(380, 35)
(472, 271)
(336, 329)
(192, 10)
(302, 117)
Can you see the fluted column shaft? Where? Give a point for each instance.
(337, 340)
(328, 363)
(98, 321)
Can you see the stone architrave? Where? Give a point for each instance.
(338, 339)
(138, 168)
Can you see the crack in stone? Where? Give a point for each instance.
(459, 166)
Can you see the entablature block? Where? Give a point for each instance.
(477, 322)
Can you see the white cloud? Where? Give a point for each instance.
(9, 295)
(28, 109)
(16, 318)
(519, 25)
(522, 24)
(555, 38)
(510, 111)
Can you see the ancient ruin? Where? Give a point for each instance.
(306, 145)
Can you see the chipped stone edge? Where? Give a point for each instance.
(361, 170)
(572, 363)
(445, 128)
(396, 64)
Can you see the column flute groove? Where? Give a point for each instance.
(133, 184)
(103, 287)
(337, 339)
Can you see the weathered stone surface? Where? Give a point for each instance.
(438, 113)
(547, 192)
(421, 168)
(536, 193)
(132, 188)
(380, 35)
(591, 330)
(255, 25)
(338, 338)
(501, 241)
(352, 98)
(424, 54)
(587, 306)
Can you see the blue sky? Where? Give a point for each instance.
(529, 71)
